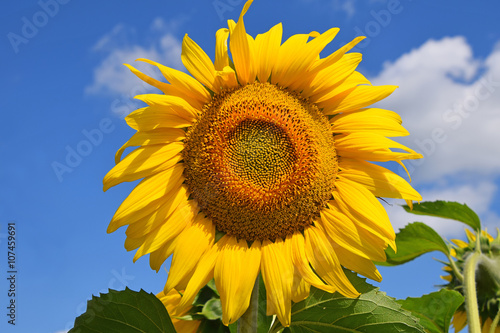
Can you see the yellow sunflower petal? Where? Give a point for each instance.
(227, 78)
(300, 288)
(133, 243)
(486, 326)
(333, 75)
(171, 300)
(487, 235)
(173, 104)
(343, 231)
(378, 180)
(163, 86)
(267, 46)
(187, 85)
(243, 49)
(158, 257)
(286, 55)
(193, 98)
(143, 162)
(460, 243)
(169, 228)
(357, 98)
(321, 64)
(446, 277)
(221, 55)
(345, 87)
(358, 264)
(153, 137)
(323, 259)
(312, 49)
(236, 271)
(470, 235)
(369, 120)
(293, 66)
(194, 241)
(164, 208)
(156, 116)
(203, 273)
(198, 63)
(301, 262)
(372, 147)
(459, 320)
(358, 203)
(277, 272)
(143, 199)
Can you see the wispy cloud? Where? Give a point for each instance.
(122, 45)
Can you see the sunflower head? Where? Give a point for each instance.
(487, 276)
(268, 152)
(258, 163)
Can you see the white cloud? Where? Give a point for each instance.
(120, 46)
(477, 196)
(450, 103)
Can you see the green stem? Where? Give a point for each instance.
(494, 324)
(454, 267)
(470, 290)
(248, 321)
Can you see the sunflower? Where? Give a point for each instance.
(258, 163)
(488, 288)
(171, 301)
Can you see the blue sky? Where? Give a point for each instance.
(66, 93)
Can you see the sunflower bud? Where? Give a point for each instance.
(487, 277)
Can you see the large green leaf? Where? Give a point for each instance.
(448, 210)
(372, 312)
(412, 241)
(123, 312)
(435, 310)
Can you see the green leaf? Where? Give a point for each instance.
(371, 312)
(434, 310)
(412, 241)
(212, 309)
(123, 312)
(448, 210)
